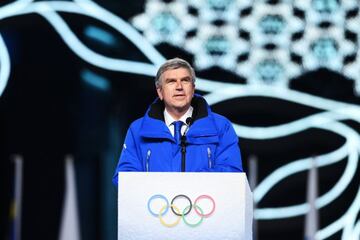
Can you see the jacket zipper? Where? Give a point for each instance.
(147, 160)
(209, 157)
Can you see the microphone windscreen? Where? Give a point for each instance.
(189, 121)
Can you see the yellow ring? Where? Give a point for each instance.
(170, 224)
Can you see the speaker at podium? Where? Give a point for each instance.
(178, 206)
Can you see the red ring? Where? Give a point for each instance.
(208, 197)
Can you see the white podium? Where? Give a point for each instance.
(179, 206)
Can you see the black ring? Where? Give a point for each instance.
(173, 200)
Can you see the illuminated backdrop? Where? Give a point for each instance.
(286, 73)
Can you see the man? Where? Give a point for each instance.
(179, 132)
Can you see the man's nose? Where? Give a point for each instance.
(179, 85)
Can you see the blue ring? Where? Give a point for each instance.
(155, 197)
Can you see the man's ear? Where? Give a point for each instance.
(159, 92)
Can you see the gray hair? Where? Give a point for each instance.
(174, 63)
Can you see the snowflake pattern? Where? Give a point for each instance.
(352, 70)
(223, 10)
(318, 11)
(165, 22)
(270, 68)
(271, 24)
(216, 46)
(323, 48)
(221, 32)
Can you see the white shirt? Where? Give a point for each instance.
(169, 120)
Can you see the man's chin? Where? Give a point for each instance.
(181, 108)
(178, 106)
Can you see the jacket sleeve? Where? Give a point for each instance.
(129, 160)
(227, 155)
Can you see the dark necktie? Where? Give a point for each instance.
(177, 131)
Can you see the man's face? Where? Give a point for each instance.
(176, 89)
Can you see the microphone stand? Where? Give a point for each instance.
(183, 144)
(183, 152)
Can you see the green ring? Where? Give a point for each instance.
(192, 224)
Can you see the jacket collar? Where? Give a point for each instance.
(153, 124)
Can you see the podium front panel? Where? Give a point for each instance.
(217, 206)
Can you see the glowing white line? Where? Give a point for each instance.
(349, 221)
(294, 167)
(356, 232)
(47, 10)
(301, 209)
(341, 222)
(352, 144)
(344, 180)
(90, 56)
(291, 127)
(4, 65)
(123, 27)
(328, 197)
(11, 9)
(230, 91)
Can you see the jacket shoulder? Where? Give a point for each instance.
(222, 123)
(136, 125)
(220, 119)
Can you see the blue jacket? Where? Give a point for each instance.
(212, 144)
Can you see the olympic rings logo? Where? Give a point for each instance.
(181, 214)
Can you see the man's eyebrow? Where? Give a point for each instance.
(183, 78)
(169, 79)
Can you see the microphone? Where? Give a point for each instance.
(188, 123)
(183, 143)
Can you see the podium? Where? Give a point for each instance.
(178, 206)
